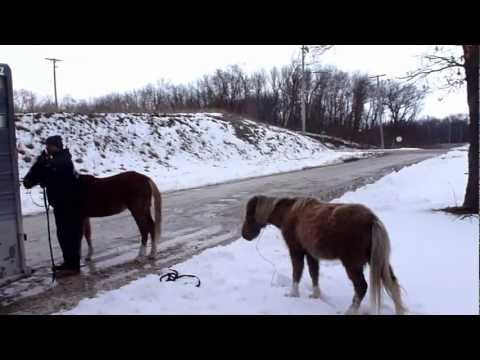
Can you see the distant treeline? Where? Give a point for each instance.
(338, 103)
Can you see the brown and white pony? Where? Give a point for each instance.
(315, 230)
(112, 195)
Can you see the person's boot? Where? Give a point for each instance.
(67, 270)
(60, 267)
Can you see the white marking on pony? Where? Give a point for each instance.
(316, 293)
(352, 310)
(143, 251)
(294, 291)
(153, 252)
(89, 254)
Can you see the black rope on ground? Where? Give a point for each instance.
(49, 237)
(173, 275)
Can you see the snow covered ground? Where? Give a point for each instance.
(435, 257)
(178, 151)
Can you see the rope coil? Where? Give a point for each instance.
(173, 275)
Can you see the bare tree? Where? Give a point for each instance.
(359, 97)
(68, 104)
(336, 101)
(403, 100)
(25, 101)
(315, 51)
(445, 61)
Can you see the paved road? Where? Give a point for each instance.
(194, 220)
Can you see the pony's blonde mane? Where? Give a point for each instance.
(264, 208)
(301, 203)
(266, 205)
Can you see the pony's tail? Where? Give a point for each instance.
(381, 272)
(157, 197)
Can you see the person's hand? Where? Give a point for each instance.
(46, 155)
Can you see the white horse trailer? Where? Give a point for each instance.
(12, 254)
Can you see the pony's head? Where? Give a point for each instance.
(259, 209)
(39, 173)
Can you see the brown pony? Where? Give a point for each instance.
(314, 230)
(112, 195)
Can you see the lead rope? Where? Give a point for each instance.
(29, 193)
(49, 237)
(265, 259)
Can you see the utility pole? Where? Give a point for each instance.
(54, 61)
(382, 142)
(304, 90)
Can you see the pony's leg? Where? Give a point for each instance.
(151, 225)
(355, 273)
(87, 228)
(313, 268)
(141, 219)
(142, 223)
(297, 258)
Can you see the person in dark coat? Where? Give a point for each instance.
(64, 194)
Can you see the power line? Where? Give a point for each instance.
(54, 62)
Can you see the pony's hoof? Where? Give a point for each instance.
(140, 259)
(315, 294)
(89, 255)
(142, 254)
(292, 294)
(351, 311)
(152, 256)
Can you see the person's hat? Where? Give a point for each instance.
(55, 140)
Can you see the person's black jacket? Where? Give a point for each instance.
(63, 184)
(62, 166)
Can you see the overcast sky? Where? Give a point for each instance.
(89, 71)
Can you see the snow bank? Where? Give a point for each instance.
(435, 257)
(177, 150)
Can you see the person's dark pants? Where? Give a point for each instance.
(69, 233)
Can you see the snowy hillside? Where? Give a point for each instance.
(177, 150)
